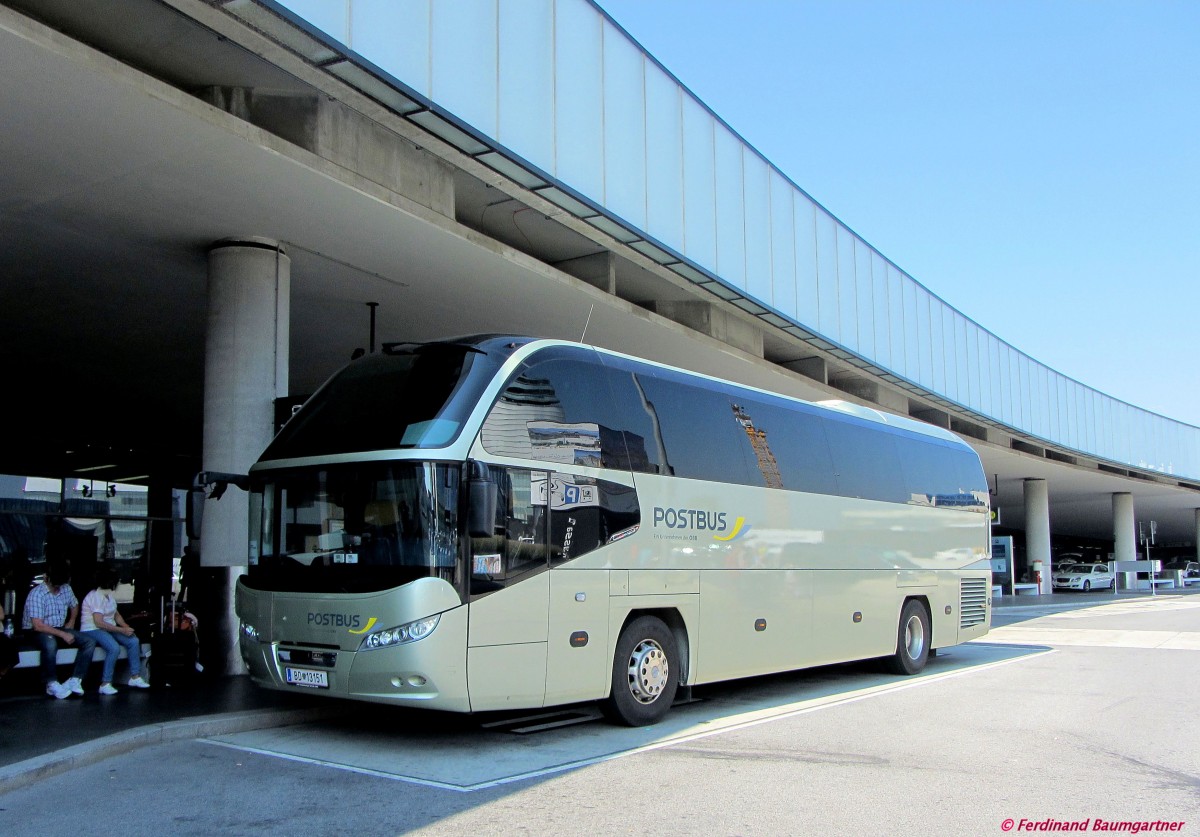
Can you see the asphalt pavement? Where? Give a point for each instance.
(41, 736)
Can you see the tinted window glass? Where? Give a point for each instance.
(866, 461)
(519, 545)
(586, 514)
(380, 402)
(942, 475)
(559, 409)
(700, 431)
(791, 438)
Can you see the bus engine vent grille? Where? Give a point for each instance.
(972, 605)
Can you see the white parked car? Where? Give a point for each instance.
(1083, 577)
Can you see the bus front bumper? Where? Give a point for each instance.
(430, 672)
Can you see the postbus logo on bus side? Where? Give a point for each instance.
(701, 520)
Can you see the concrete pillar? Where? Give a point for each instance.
(245, 370)
(1196, 532)
(1037, 528)
(1124, 527)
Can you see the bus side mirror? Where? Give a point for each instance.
(196, 496)
(208, 485)
(482, 499)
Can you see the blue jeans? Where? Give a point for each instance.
(49, 644)
(110, 641)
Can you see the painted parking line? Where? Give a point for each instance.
(470, 758)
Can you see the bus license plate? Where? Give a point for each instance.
(307, 677)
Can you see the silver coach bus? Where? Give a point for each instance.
(502, 522)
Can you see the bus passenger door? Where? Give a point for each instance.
(506, 635)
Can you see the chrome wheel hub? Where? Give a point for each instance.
(914, 637)
(648, 671)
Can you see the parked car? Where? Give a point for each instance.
(1190, 569)
(1084, 577)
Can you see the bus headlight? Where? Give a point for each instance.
(409, 632)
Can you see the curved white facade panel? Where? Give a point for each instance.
(559, 85)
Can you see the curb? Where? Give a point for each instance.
(24, 773)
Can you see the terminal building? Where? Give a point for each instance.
(209, 206)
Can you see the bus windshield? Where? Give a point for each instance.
(354, 528)
(400, 399)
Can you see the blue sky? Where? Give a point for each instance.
(1034, 164)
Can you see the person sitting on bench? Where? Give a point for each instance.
(103, 623)
(50, 613)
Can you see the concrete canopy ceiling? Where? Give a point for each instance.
(116, 180)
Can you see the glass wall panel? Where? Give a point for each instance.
(847, 294)
(912, 344)
(463, 58)
(395, 36)
(998, 354)
(664, 157)
(924, 333)
(699, 185)
(962, 358)
(863, 285)
(624, 128)
(783, 247)
(1079, 439)
(827, 276)
(882, 307)
(937, 344)
(972, 335)
(527, 79)
(757, 199)
(948, 353)
(330, 16)
(1025, 396)
(579, 99)
(1047, 402)
(731, 216)
(895, 294)
(1092, 418)
(1062, 426)
(1008, 378)
(808, 304)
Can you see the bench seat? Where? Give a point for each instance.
(32, 657)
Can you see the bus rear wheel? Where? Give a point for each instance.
(912, 640)
(645, 673)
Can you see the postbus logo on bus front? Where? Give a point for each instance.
(350, 621)
(701, 520)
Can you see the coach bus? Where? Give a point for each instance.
(504, 522)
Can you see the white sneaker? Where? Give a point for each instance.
(107, 689)
(73, 686)
(138, 682)
(57, 690)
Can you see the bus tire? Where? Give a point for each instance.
(912, 640)
(645, 673)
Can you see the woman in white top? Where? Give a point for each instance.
(102, 622)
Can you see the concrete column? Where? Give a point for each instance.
(1037, 528)
(245, 370)
(1196, 533)
(1124, 527)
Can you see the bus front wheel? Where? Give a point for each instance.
(645, 673)
(912, 640)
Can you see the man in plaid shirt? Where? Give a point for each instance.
(50, 612)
